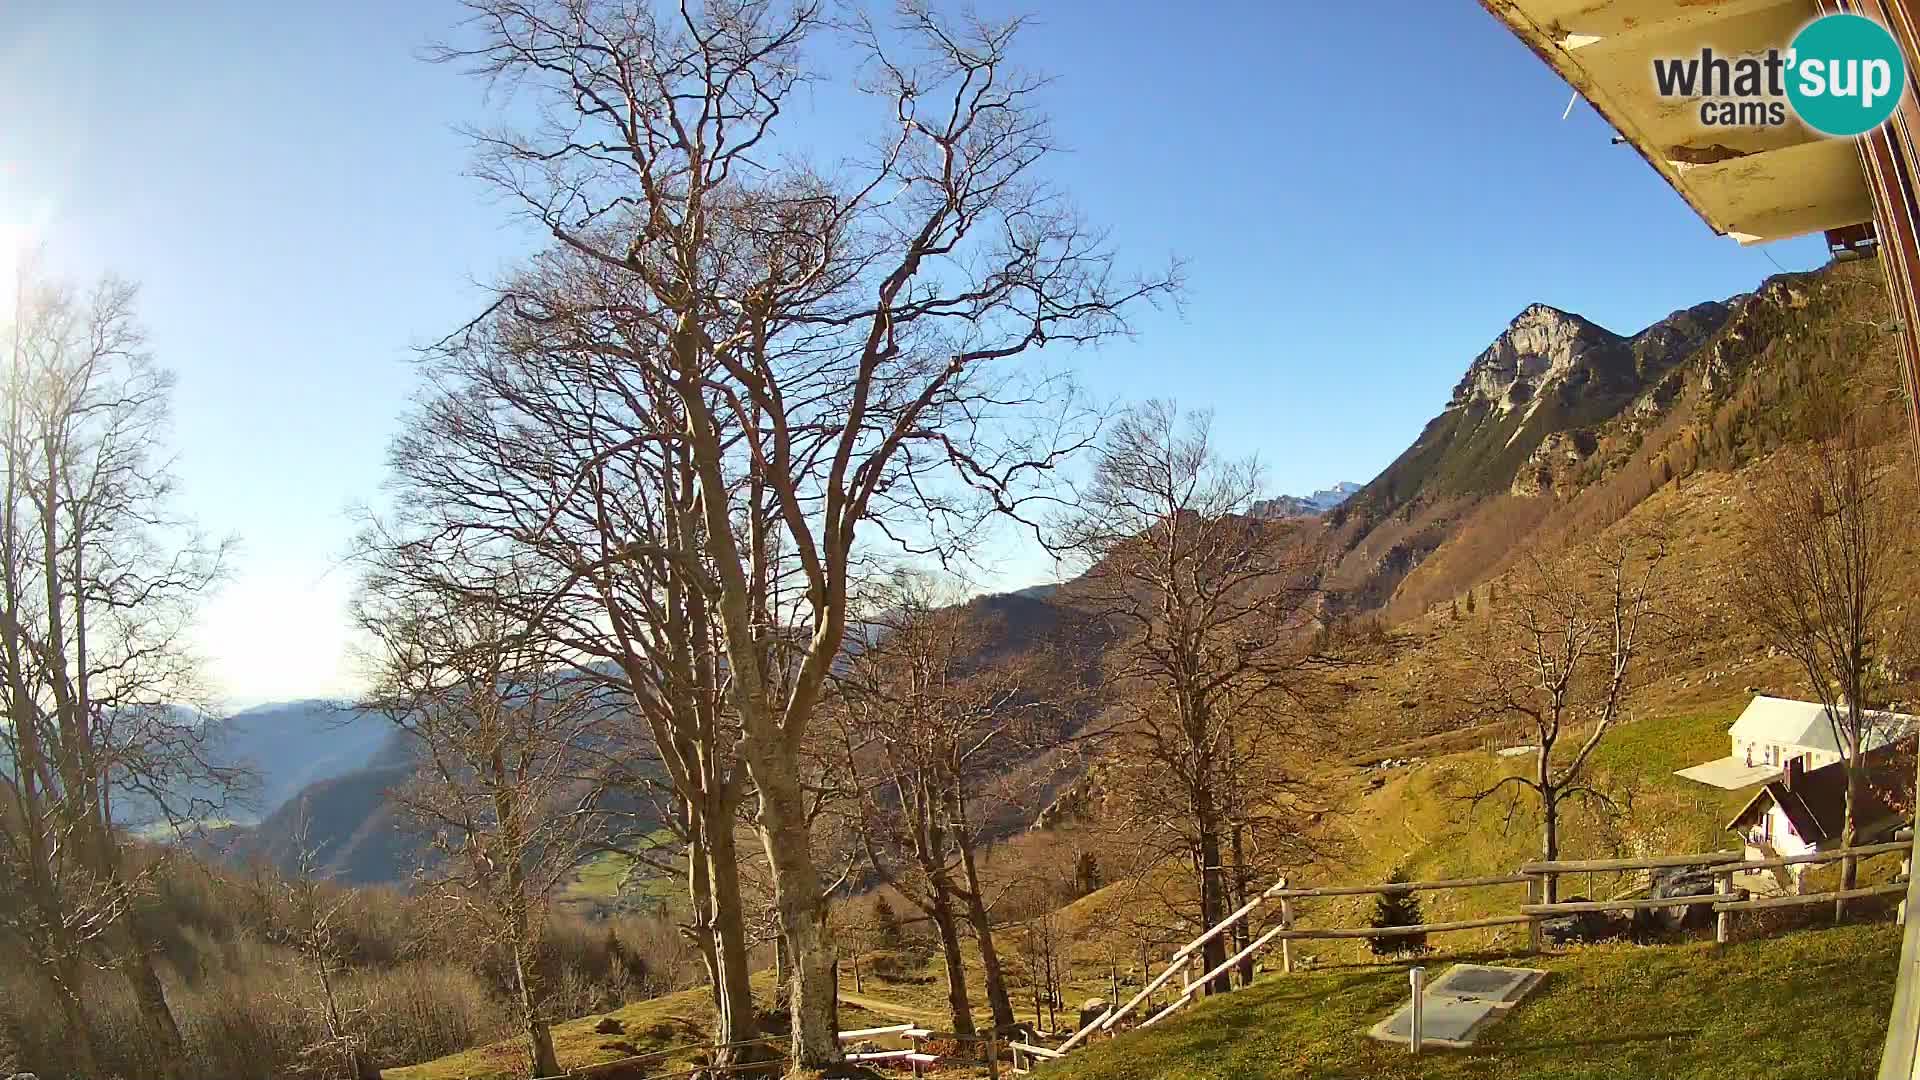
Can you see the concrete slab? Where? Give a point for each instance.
(1480, 982)
(1443, 1022)
(1460, 1004)
(1729, 773)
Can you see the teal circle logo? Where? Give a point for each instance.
(1847, 75)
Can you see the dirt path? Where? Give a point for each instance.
(923, 1017)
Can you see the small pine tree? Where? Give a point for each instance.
(1397, 909)
(886, 924)
(1493, 593)
(1469, 601)
(1454, 607)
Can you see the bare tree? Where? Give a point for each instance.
(507, 739)
(98, 582)
(1575, 634)
(528, 443)
(931, 725)
(1041, 945)
(310, 918)
(1214, 668)
(832, 339)
(1819, 577)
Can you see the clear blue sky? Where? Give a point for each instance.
(1364, 196)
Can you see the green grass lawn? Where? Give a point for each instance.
(1806, 1006)
(607, 881)
(1424, 819)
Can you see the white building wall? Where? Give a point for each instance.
(1781, 754)
(1784, 841)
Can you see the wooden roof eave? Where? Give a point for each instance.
(1546, 46)
(1754, 184)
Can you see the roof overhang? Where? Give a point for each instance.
(1754, 184)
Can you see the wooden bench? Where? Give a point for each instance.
(868, 1033)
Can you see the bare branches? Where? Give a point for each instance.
(506, 738)
(1215, 612)
(829, 347)
(98, 581)
(1576, 632)
(1819, 578)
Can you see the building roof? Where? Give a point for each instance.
(1816, 802)
(1805, 723)
(1751, 183)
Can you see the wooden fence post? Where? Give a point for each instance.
(993, 1052)
(1723, 920)
(1536, 893)
(1906, 871)
(1286, 944)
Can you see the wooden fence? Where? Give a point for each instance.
(1539, 878)
(916, 1056)
(1723, 865)
(1535, 876)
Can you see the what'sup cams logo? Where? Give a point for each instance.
(1843, 75)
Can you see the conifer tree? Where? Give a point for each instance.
(1397, 909)
(886, 924)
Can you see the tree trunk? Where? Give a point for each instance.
(701, 906)
(1849, 835)
(733, 994)
(1550, 846)
(81, 1044)
(958, 1003)
(539, 1031)
(998, 1000)
(150, 999)
(1212, 888)
(1212, 897)
(796, 890)
(1243, 933)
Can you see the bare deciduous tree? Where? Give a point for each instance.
(508, 739)
(1214, 665)
(1575, 634)
(530, 443)
(98, 582)
(310, 918)
(932, 726)
(1819, 577)
(832, 339)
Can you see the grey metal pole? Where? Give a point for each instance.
(1417, 977)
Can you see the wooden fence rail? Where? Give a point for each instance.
(1397, 887)
(1812, 898)
(1651, 862)
(1536, 876)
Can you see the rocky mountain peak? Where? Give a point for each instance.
(1319, 502)
(1541, 346)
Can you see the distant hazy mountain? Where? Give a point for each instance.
(289, 745)
(1306, 505)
